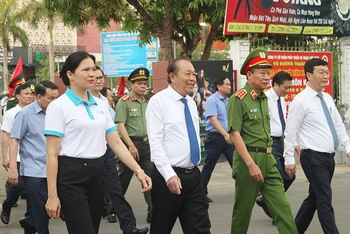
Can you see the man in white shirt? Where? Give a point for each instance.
(23, 95)
(314, 117)
(173, 131)
(281, 83)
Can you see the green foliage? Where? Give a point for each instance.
(10, 17)
(44, 72)
(214, 55)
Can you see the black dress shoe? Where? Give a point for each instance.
(209, 199)
(138, 231)
(112, 218)
(5, 217)
(260, 202)
(149, 218)
(28, 229)
(15, 205)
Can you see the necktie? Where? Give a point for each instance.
(329, 121)
(280, 113)
(192, 135)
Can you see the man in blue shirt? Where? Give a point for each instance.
(218, 140)
(28, 133)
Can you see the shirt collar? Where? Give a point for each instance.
(37, 107)
(274, 94)
(218, 95)
(312, 92)
(77, 100)
(175, 95)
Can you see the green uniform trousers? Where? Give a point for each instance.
(272, 189)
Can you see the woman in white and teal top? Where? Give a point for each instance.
(77, 127)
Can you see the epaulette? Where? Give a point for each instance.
(11, 99)
(254, 94)
(126, 97)
(241, 94)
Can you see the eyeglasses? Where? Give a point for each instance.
(323, 73)
(101, 78)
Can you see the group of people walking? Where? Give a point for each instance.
(68, 148)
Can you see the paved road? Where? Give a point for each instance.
(221, 189)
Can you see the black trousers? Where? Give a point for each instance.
(191, 206)
(37, 197)
(319, 169)
(120, 206)
(125, 174)
(215, 145)
(13, 192)
(277, 152)
(80, 187)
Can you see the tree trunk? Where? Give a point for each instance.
(166, 46)
(6, 71)
(51, 52)
(209, 42)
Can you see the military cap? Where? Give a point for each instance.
(13, 83)
(139, 74)
(31, 84)
(257, 59)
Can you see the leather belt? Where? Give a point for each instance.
(267, 150)
(187, 170)
(136, 138)
(281, 138)
(330, 155)
(214, 133)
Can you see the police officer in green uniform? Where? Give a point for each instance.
(131, 120)
(254, 167)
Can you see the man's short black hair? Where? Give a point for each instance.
(219, 81)
(41, 87)
(280, 77)
(21, 87)
(312, 63)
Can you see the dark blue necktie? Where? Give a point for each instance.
(280, 113)
(329, 121)
(192, 135)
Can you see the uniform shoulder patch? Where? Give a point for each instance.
(241, 94)
(126, 97)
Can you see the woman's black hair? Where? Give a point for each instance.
(72, 62)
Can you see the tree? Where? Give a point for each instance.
(44, 11)
(10, 17)
(168, 20)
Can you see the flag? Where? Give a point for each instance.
(17, 77)
(121, 86)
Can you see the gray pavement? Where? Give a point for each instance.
(221, 190)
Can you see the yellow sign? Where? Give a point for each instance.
(246, 27)
(284, 29)
(318, 30)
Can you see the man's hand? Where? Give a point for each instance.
(12, 177)
(5, 163)
(53, 207)
(174, 185)
(227, 139)
(291, 170)
(298, 150)
(348, 154)
(134, 152)
(255, 173)
(145, 180)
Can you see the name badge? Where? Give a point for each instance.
(254, 110)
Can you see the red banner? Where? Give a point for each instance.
(293, 63)
(294, 17)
